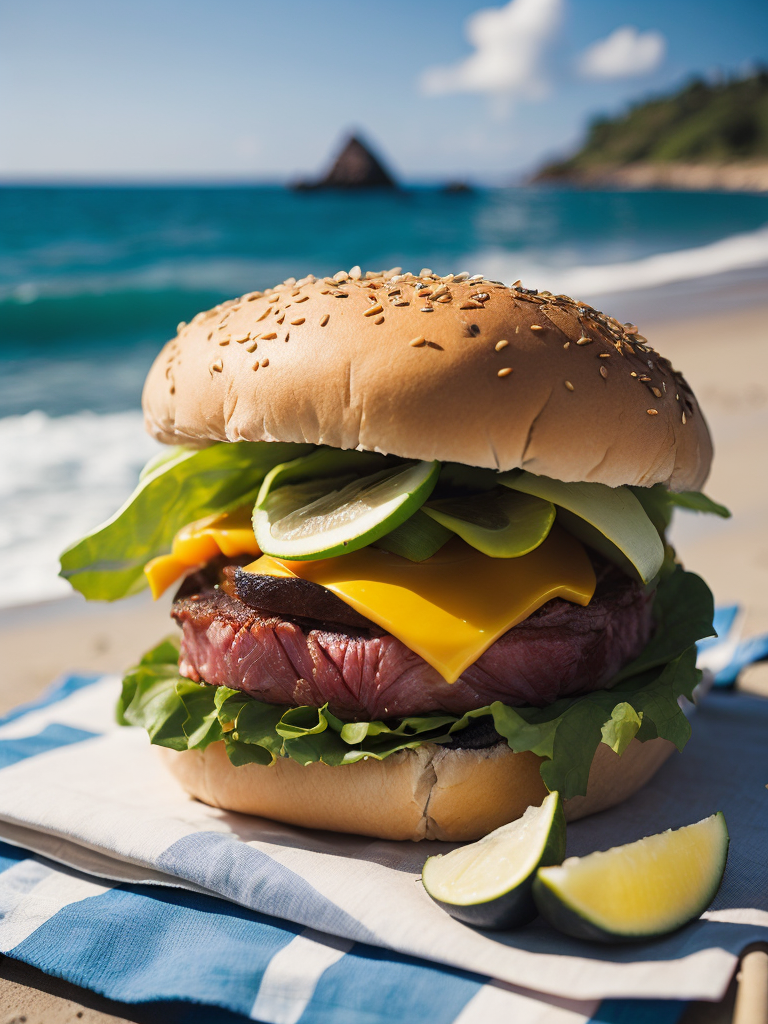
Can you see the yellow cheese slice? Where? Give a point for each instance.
(453, 606)
(227, 533)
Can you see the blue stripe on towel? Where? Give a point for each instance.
(51, 737)
(58, 690)
(144, 943)
(639, 1011)
(371, 985)
(224, 864)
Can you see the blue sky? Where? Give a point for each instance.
(180, 89)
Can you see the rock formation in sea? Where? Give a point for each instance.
(355, 167)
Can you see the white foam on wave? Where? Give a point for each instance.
(60, 477)
(736, 252)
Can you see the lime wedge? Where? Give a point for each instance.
(500, 523)
(488, 883)
(612, 512)
(636, 891)
(321, 518)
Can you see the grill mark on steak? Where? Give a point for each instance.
(362, 672)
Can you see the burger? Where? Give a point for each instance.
(417, 526)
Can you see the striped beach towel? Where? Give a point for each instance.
(113, 879)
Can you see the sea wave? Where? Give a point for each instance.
(736, 252)
(60, 477)
(123, 302)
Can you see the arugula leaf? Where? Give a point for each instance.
(175, 488)
(642, 703)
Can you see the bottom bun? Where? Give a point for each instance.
(431, 792)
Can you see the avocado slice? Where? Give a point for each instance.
(614, 512)
(500, 523)
(488, 883)
(638, 891)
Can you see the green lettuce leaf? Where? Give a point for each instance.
(659, 504)
(175, 488)
(643, 702)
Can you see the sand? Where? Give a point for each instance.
(725, 357)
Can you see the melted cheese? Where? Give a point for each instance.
(453, 606)
(227, 533)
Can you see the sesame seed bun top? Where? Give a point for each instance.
(455, 368)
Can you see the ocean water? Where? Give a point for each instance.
(94, 280)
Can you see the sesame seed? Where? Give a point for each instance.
(462, 276)
(216, 367)
(265, 362)
(425, 272)
(252, 296)
(341, 276)
(264, 315)
(584, 340)
(180, 326)
(324, 320)
(471, 304)
(417, 342)
(377, 308)
(303, 298)
(379, 320)
(568, 385)
(281, 318)
(401, 302)
(252, 346)
(481, 296)
(476, 277)
(268, 337)
(604, 355)
(210, 335)
(273, 298)
(632, 373)
(442, 290)
(652, 412)
(645, 379)
(444, 298)
(256, 365)
(224, 341)
(656, 392)
(604, 372)
(500, 345)
(289, 282)
(242, 337)
(683, 419)
(536, 327)
(567, 344)
(505, 372)
(298, 320)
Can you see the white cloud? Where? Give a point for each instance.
(509, 43)
(623, 54)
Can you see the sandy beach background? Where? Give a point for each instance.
(716, 332)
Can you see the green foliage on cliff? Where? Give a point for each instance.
(701, 123)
